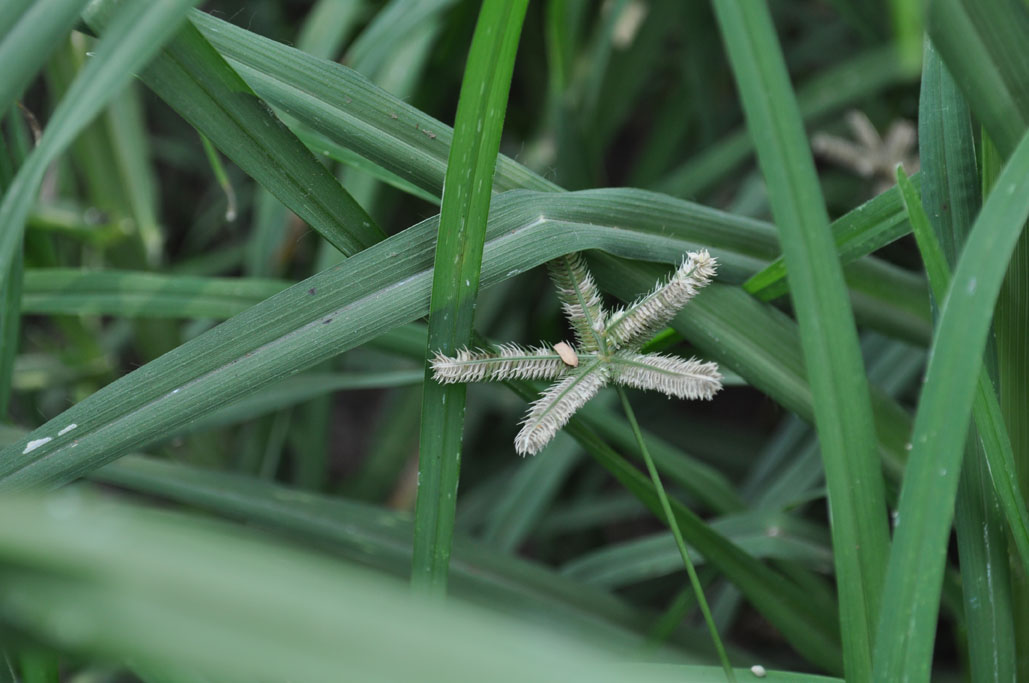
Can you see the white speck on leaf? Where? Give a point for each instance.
(36, 443)
(67, 429)
(758, 671)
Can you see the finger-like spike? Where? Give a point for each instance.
(508, 361)
(679, 377)
(556, 405)
(580, 298)
(646, 316)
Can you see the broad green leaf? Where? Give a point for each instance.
(467, 191)
(828, 336)
(345, 107)
(907, 628)
(348, 305)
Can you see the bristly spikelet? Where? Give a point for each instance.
(580, 298)
(673, 376)
(608, 350)
(556, 406)
(645, 317)
(509, 361)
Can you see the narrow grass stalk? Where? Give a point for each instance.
(670, 518)
(907, 627)
(218, 168)
(832, 358)
(467, 191)
(951, 197)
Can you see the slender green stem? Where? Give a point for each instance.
(221, 176)
(679, 541)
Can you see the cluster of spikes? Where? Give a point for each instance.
(607, 350)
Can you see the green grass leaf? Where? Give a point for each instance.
(195, 81)
(843, 413)
(27, 40)
(138, 31)
(467, 191)
(907, 629)
(379, 538)
(951, 195)
(982, 42)
(873, 225)
(70, 291)
(256, 610)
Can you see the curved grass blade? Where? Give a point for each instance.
(344, 106)
(374, 537)
(70, 291)
(195, 80)
(257, 611)
(951, 197)
(873, 225)
(346, 110)
(982, 42)
(467, 191)
(26, 44)
(907, 627)
(843, 413)
(351, 304)
(138, 31)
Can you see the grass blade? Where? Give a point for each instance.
(982, 42)
(372, 536)
(907, 628)
(255, 611)
(839, 86)
(25, 45)
(68, 291)
(951, 195)
(354, 114)
(137, 33)
(467, 191)
(873, 225)
(194, 80)
(843, 413)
